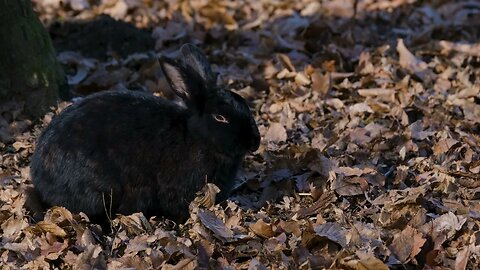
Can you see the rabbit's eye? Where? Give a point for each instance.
(220, 118)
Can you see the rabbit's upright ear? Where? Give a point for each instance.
(186, 84)
(196, 60)
(176, 76)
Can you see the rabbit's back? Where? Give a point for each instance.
(112, 144)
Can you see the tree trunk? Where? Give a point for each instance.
(29, 70)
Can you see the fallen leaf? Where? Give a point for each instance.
(443, 146)
(332, 231)
(262, 229)
(210, 221)
(276, 133)
(443, 228)
(290, 227)
(471, 49)
(286, 62)
(407, 244)
(350, 186)
(411, 63)
(322, 202)
(360, 108)
(321, 83)
(206, 197)
(461, 261)
(417, 131)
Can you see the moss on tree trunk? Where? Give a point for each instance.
(29, 70)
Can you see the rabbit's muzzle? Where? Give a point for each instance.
(254, 141)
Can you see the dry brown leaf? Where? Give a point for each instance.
(360, 108)
(134, 224)
(365, 65)
(371, 264)
(400, 197)
(418, 132)
(131, 262)
(118, 10)
(262, 229)
(12, 227)
(375, 92)
(471, 49)
(90, 257)
(205, 197)
(332, 231)
(353, 171)
(136, 245)
(79, 4)
(290, 227)
(286, 62)
(52, 228)
(21, 248)
(301, 79)
(443, 146)
(187, 264)
(86, 239)
(321, 83)
(350, 186)
(20, 145)
(365, 262)
(443, 228)
(210, 221)
(407, 244)
(276, 133)
(54, 250)
(461, 261)
(411, 63)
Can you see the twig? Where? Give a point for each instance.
(108, 212)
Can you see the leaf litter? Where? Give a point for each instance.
(370, 148)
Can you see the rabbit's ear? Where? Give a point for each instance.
(195, 59)
(176, 77)
(183, 82)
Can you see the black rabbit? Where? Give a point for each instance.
(143, 153)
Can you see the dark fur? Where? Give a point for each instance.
(144, 153)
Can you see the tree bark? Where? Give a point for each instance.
(29, 70)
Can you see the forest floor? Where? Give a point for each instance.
(370, 125)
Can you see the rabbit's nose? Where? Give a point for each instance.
(254, 143)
